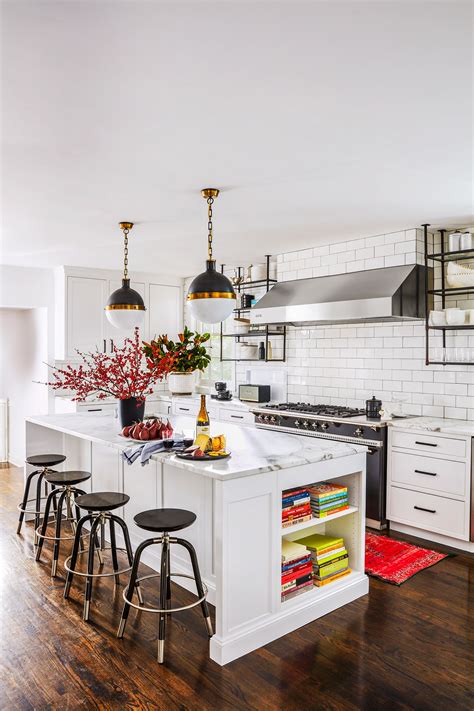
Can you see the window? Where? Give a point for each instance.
(217, 370)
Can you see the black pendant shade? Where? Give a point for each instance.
(125, 298)
(211, 284)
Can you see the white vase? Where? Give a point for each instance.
(181, 383)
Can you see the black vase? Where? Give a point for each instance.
(131, 410)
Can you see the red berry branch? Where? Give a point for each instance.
(121, 374)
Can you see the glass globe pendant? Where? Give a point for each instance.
(211, 296)
(125, 308)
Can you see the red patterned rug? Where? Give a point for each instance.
(396, 561)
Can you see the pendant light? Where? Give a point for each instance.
(211, 296)
(125, 308)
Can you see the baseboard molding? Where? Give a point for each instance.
(287, 620)
(426, 536)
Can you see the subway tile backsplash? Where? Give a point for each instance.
(347, 364)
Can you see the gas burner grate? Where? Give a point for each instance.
(325, 410)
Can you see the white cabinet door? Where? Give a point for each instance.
(118, 335)
(86, 329)
(166, 310)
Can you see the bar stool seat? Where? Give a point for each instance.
(102, 501)
(162, 520)
(65, 488)
(67, 478)
(46, 460)
(99, 506)
(42, 462)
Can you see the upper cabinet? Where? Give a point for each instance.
(80, 320)
(165, 306)
(86, 323)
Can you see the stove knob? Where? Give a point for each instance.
(259, 418)
(305, 424)
(265, 418)
(314, 425)
(324, 426)
(297, 423)
(359, 432)
(272, 419)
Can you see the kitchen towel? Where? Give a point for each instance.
(145, 450)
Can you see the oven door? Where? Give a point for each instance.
(376, 486)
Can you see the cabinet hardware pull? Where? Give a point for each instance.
(105, 346)
(427, 444)
(420, 471)
(96, 409)
(111, 345)
(420, 508)
(184, 409)
(238, 417)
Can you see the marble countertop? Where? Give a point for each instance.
(436, 424)
(235, 403)
(254, 451)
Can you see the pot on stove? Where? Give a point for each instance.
(372, 408)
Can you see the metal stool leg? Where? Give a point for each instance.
(132, 583)
(24, 502)
(59, 514)
(128, 546)
(197, 576)
(90, 567)
(38, 501)
(75, 522)
(113, 546)
(75, 551)
(168, 582)
(163, 597)
(44, 526)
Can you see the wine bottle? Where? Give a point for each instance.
(202, 422)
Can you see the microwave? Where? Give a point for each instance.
(254, 393)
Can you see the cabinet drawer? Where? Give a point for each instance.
(429, 444)
(239, 417)
(433, 513)
(440, 475)
(185, 408)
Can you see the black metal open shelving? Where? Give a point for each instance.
(442, 258)
(264, 333)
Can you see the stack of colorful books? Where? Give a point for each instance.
(328, 499)
(296, 569)
(329, 558)
(295, 507)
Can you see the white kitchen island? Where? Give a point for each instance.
(237, 501)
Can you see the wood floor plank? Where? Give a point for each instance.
(399, 648)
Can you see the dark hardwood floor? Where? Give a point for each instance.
(398, 648)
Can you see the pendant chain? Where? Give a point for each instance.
(125, 253)
(210, 200)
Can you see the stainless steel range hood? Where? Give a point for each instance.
(388, 294)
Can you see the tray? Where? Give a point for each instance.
(205, 458)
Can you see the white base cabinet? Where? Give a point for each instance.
(429, 484)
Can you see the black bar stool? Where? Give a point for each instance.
(64, 484)
(164, 521)
(99, 506)
(42, 462)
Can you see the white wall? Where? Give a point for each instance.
(23, 351)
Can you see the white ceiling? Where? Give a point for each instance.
(318, 120)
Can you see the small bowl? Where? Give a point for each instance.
(168, 443)
(437, 318)
(455, 317)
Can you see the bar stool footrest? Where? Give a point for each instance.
(171, 609)
(96, 575)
